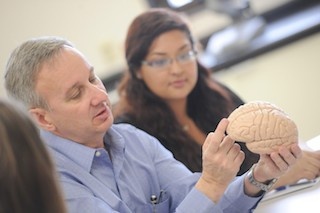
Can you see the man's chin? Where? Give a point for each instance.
(104, 125)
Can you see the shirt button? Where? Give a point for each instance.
(98, 154)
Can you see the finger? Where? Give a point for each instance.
(317, 154)
(234, 151)
(310, 175)
(265, 159)
(226, 144)
(312, 158)
(279, 161)
(240, 158)
(296, 150)
(222, 127)
(215, 138)
(206, 143)
(211, 143)
(311, 163)
(287, 156)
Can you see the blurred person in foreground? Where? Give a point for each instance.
(28, 180)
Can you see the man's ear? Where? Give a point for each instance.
(42, 118)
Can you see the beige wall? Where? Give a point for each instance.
(96, 27)
(288, 77)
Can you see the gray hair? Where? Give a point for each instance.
(24, 65)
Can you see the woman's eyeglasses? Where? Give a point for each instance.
(163, 63)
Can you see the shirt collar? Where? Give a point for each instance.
(114, 140)
(80, 154)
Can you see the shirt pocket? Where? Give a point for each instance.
(161, 207)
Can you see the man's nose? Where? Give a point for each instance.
(99, 94)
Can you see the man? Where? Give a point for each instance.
(105, 167)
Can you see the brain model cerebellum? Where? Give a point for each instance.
(262, 126)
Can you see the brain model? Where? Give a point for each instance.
(262, 126)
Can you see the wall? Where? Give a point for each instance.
(288, 77)
(96, 27)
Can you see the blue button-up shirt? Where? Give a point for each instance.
(134, 173)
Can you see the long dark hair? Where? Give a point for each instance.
(27, 180)
(207, 104)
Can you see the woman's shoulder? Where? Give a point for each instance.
(123, 118)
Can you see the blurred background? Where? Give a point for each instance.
(263, 50)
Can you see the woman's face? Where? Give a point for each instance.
(170, 68)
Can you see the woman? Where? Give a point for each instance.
(27, 177)
(168, 93)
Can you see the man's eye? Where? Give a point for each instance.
(93, 79)
(75, 95)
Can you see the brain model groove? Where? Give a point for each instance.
(262, 126)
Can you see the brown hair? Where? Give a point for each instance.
(141, 34)
(27, 177)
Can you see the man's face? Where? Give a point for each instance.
(79, 105)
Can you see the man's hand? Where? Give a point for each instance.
(222, 158)
(273, 166)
